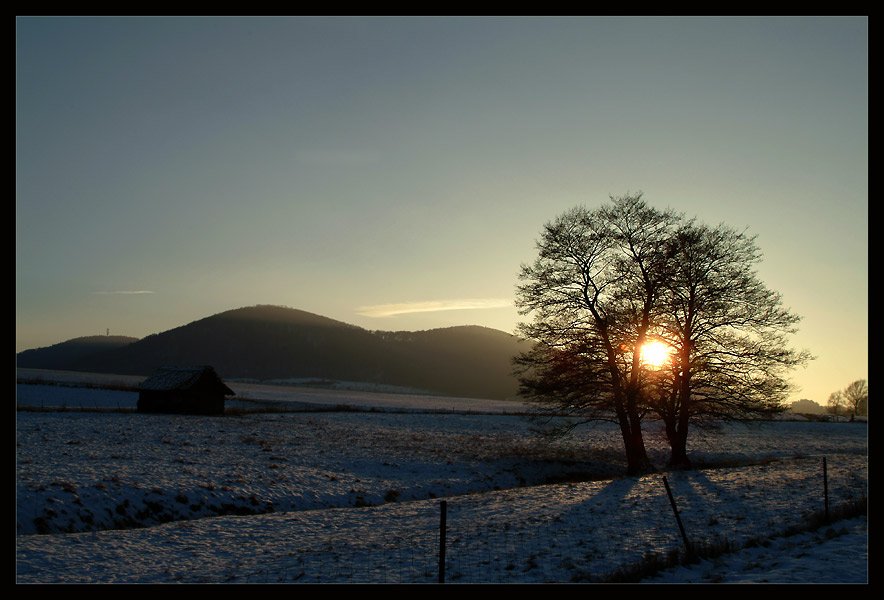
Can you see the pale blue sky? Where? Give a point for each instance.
(341, 164)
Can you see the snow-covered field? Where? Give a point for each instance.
(338, 496)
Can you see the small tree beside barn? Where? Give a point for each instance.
(183, 390)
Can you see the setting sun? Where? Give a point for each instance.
(655, 353)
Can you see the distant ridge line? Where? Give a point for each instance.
(270, 342)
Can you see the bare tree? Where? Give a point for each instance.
(728, 332)
(609, 282)
(856, 397)
(593, 292)
(836, 402)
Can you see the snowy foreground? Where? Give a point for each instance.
(336, 496)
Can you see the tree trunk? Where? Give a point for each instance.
(679, 446)
(677, 430)
(637, 461)
(677, 438)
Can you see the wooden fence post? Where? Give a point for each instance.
(442, 527)
(826, 488)
(684, 536)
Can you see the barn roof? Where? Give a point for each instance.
(183, 378)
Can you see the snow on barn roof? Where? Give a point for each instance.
(182, 378)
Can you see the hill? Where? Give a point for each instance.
(272, 342)
(61, 356)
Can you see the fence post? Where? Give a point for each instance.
(442, 527)
(684, 536)
(826, 488)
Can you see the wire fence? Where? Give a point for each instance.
(571, 532)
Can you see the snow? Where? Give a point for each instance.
(833, 554)
(341, 496)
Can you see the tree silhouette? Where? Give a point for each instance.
(728, 332)
(593, 292)
(836, 402)
(856, 397)
(610, 280)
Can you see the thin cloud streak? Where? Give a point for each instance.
(127, 292)
(390, 310)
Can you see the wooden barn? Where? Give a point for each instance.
(183, 390)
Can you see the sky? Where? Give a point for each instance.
(395, 172)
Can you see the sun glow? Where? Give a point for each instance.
(655, 353)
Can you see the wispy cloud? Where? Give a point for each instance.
(389, 310)
(127, 292)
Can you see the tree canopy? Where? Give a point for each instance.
(857, 397)
(610, 281)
